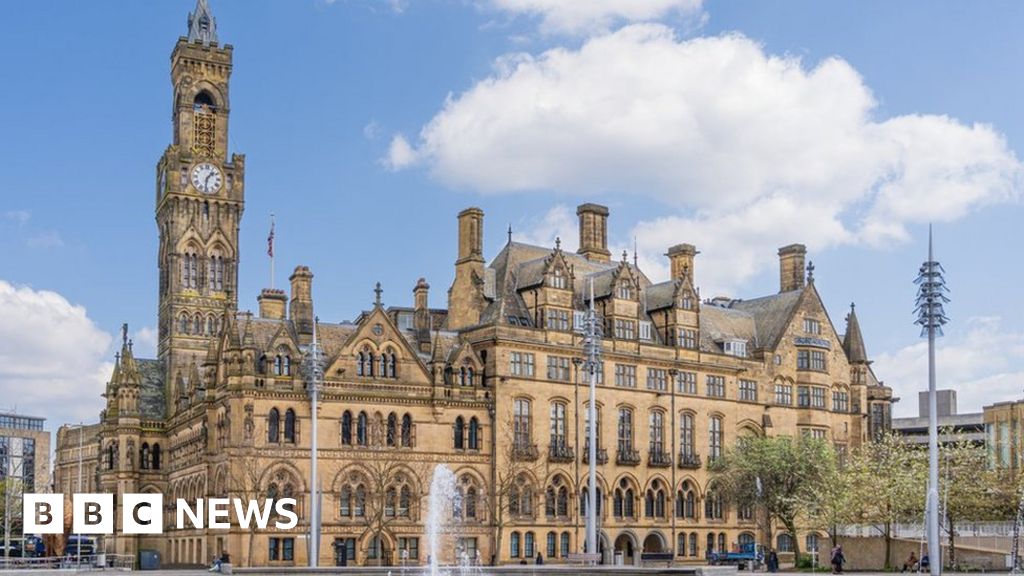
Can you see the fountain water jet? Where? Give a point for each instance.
(441, 501)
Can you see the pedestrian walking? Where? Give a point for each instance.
(773, 561)
(838, 560)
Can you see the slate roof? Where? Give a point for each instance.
(152, 393)
(771, 314)
(759, 321)
(853, 341)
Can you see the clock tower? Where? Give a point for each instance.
(199, 203)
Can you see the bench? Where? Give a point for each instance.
(650, 557)
(583, 559)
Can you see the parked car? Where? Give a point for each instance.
(80, 545)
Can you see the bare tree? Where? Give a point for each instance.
(514, 494)
(382, 490)
(245, 470)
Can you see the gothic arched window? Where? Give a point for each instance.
(361, 430)
(156, 457)
(289, 426)
(407, 431)
(346, 428)
(144, 456)
(474, 434)
(392, 432)
(391, 372)
(360, 364)
(274, 426)
(458, 433)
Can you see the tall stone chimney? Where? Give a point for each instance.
(421, 314)
(272, 303)
(466, 296)
(301, 306)
(681, 258)
(594, 232)
(791, 267)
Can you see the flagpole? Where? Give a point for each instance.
(270, 250)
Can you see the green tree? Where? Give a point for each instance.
(888, 477)
(778, 475)
(967, 488)
(833, 503)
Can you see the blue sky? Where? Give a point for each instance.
(368, 124)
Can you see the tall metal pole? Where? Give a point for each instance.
(313, 369)
(78, 538)
(931, 318)
(592, 349)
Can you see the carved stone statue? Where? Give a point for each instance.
(249, 425)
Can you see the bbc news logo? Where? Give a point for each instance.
(143, 513)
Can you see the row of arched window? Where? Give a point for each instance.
(372, 365)
(462, 376)
(274, 425)
(466, 436)
(198, 325)
(378, 432)
(149, 457)
(190, 277)
(280, 364)
(523, 545)
(465, 505)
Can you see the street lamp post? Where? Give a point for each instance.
(591, 332)
(931, 317)
(314, 369)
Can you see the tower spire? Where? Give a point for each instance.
(853, 340)
(202, 26)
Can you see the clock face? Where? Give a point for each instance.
(206, 178)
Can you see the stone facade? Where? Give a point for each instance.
(1004, 433)
(491, 386)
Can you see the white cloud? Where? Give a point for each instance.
(145, 341)
(400, 154)
(984, 364)
(48, 239)
(557, 223)
(743, 148)
(21, 217)
(587, 16)
(53, 358)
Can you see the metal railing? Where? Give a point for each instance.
(627, 456)
(658, 458)
(689, 460)
(561, 452)
(525, 452)
(602, 455)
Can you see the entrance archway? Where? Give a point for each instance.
(654, 542)
(625, 545)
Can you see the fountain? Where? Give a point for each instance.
(441, 501)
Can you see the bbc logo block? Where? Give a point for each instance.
(93, 513)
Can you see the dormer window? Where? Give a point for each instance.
(812, 326)
(646, 331)
(557, 279)
(735, 348)
(686, 302)
(625, 291)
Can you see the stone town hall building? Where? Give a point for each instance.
(490, 385)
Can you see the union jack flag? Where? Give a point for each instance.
(270, 240)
